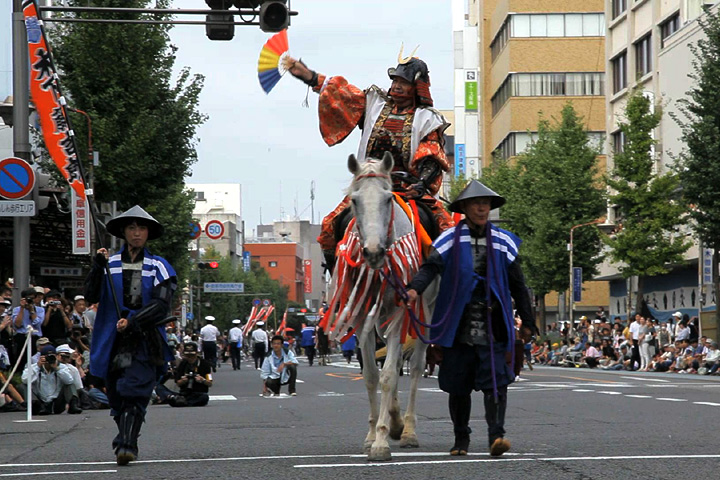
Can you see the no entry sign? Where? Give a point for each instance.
(17, 178)
(214, 229)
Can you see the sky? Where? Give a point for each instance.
(271, 144)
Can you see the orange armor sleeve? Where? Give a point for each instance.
(340, 109)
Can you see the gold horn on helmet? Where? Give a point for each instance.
(403, 61)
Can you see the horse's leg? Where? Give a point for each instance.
(396, 421)
(417, 363)
(371, 376)
(380, 449)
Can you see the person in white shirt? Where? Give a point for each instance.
(209, 335)
(53, 384)
(635, 333)
(235, 338)
(260, 344)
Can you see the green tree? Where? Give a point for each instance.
(700, 161)
(649, 213)
(143, 122)
(549, 188)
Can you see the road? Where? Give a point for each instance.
(563, 424)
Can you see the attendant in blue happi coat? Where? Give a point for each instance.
(473, 319)
(130, 350)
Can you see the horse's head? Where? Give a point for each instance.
(372, 203)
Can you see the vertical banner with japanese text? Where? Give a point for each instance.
(307, 277)
(49, 102)
(80, 217)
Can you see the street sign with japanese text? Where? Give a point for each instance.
(80, 219)
(17, 208)
(209, 287)
(577, 284)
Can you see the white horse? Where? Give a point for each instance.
(381, 240)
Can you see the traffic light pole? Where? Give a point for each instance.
(21, 146)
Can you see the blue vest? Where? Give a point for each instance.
(154, 271)
(459, 279)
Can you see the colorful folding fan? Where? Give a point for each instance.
(270, 68)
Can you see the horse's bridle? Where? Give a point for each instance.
(392, 210)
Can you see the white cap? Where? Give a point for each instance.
(677, 314)
(209, 318)
(78, 297)
(64, 348)
(39, 290)
(237, 321)
(260, 324)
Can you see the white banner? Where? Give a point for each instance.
(80, 225)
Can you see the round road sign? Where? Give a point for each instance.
(214, 229)
(266, 303)
(195, 230)
(256, 302)
(17, 178)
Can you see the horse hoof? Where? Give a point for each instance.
(396, 430)
(409, 441)
(366, 448)
(379, 454)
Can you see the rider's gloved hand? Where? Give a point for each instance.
(418, 188)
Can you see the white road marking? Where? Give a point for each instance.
(222, 397)
(22, 474)
(504, 459)
(647, 379)
(299, 381)
(707, 403)
(671, 399)
(331, 394)
(582, 390)
(639, 396)
(610, 393)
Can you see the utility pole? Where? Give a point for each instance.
(21, 146)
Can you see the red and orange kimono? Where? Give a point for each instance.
(413, 138)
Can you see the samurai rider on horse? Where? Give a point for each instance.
(400, 121)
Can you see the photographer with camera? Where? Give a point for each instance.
(56, 324)
(28, 314)
(194, 377)
(53, 386)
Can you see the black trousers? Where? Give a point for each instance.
(460, 408)
(210, 353)
(259, 354)
(274, 383)
(635, 357)
(310, 352)
(235, 356)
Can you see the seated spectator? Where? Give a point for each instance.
(622, 361)
(279, 368)
(39, 344)
(73, 361)
(53, 385)
(591, 356)
(712, 358)
(11, 400)
(608, 353)
(194, 377)
(667, 358)
(684, 356)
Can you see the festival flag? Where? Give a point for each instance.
(49, 102)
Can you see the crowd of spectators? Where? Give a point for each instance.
(60, 353)
(645, 344)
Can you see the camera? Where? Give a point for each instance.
(29, 301)
(50, 358)
(191, 379)
(54, 303)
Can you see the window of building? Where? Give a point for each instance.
(619, 66)
(557, 25)
(668, 27)
(618, 7)
(643, 56)
(199, 196)
(548, 85)
(618, 141)
(272, 264)
(516, 143)
(548, 25)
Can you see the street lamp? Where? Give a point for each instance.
(572, 290)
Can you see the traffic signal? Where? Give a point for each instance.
(274, 16)
(222, 27)
(208, 265)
